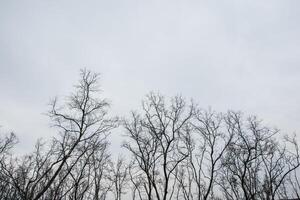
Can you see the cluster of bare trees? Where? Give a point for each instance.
(175, 150)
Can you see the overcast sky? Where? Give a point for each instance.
(233, 54)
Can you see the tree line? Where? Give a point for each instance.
(174, 151)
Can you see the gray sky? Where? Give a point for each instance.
(233, 54)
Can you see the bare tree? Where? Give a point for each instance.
(82, 120)
(137, 180)
(292, 184)
(7, 142)
(177, 152)
(243, 158)
(156, 141)
(255, 165)
(119, 177)
(89, 178)
(100, 172)
(206, 149)
(279, 162)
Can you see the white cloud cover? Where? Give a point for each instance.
(241, 55)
